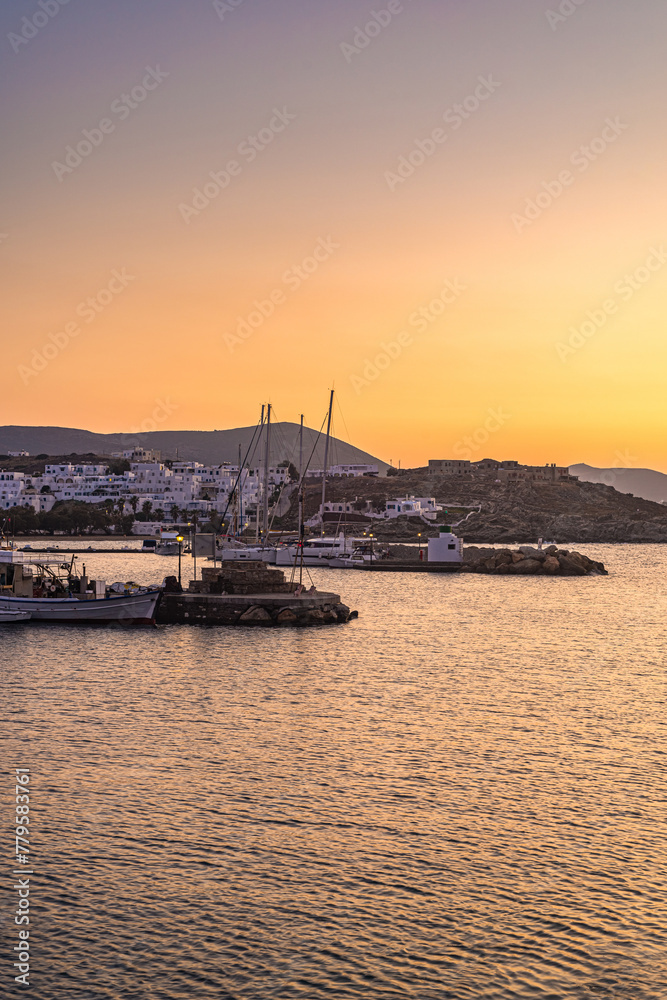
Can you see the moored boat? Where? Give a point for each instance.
(130, 609)
(46, 590)
(319, 551)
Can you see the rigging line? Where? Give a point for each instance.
(300, 483)
(307, 465)
(257, 427)
(342, 415)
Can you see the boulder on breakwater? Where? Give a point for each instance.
(530, 561)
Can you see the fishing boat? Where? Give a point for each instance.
(48, 590)
(168, 544)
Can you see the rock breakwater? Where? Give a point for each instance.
(530, 561)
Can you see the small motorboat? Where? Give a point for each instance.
(7, 617)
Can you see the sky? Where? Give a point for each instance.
(450, 211)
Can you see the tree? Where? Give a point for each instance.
(174, 512)
(292, 473)
(146, 510)
(22, 520)
(134, 503)
(118, 467)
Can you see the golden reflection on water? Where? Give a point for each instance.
(460, 794)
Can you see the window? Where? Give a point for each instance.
(452, 545)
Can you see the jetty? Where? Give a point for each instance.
(248, 593)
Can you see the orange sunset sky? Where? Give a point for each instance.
(443, 209)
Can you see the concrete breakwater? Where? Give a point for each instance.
(251, 593)
(530, 561)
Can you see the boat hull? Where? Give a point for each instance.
(7, 617)
(130, 609)
(267, 555)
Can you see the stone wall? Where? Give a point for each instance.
(248, 577)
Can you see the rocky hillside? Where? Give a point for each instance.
(645, 483)
(571, 512)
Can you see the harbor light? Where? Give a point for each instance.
(179, 539)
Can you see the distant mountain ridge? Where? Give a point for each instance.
(208, 447)
(646, 483)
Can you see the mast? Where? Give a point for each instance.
(301, 449)
(240, 497)
(326, 456)
(266, 473)
(261, 424)
(300, 486)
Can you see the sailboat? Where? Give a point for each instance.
(317, 551)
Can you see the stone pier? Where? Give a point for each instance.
(248, 593)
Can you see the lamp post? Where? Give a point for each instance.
(179, 539)
(419, 535)
(371, 548)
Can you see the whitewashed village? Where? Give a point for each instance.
(157, 492)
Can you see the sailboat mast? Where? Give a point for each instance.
(261, 425)
(266, 473)
(326, 457)
(240, 495)
(301, 449)
(300, 486)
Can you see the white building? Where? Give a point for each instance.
(344, 470)
(424, 507)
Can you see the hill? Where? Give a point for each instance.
(514, 512)
(208, 447)
(644, 483)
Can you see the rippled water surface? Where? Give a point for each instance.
(461, 794)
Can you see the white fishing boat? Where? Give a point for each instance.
(47, 590)
(169, 544)
(7, 617)
(133, 609)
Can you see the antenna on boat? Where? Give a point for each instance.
(326, 456)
